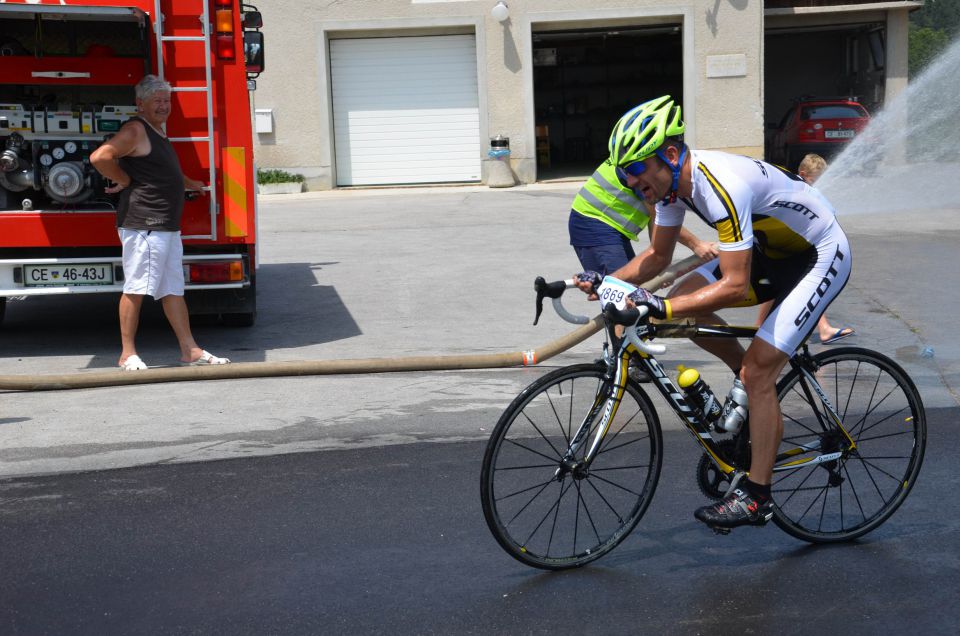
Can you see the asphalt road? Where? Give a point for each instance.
(350, 504)
(391, 540)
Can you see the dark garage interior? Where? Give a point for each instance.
(584, 80)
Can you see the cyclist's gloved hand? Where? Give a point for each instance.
(657, 306)
(591, 278)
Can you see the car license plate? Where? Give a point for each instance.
(67, 274)
(839, 134)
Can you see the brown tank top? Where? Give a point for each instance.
(154, 198)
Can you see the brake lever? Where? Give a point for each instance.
(539, 285)
(544, 289)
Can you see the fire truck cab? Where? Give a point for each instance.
(67, 73)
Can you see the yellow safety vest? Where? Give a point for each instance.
(604, 198)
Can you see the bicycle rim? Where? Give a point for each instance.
(880, 408)
(553, 522)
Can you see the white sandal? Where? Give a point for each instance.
(133, 363)
(206, 359)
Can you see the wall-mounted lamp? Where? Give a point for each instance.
(500, 11)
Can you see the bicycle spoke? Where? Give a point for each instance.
(888, 435)
(545, 438)
(853, 383)
(563, 491)
(604, 500)
(616, 485)
(879, 422)
(506, 468)
(853, 488)
(597, 470)
(878, 469)
(861, 455)
(799, 488)
(535, 452)
(553, 526)
(634, 441)
(870, 410)
(823, 507)
(586, 509)
(822, 492)
(542, 486)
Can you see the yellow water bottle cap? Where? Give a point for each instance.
(688, 377)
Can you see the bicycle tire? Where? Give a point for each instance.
(556, 524)
(881, 409)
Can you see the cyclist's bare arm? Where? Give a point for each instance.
(652, 260)
(705, 250)
(733, 287)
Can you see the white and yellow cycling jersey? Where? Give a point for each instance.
(752, 203)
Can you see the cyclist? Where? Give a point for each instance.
(779, 241)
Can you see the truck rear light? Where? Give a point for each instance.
(226, 272)
(224, 21)
(225, 47)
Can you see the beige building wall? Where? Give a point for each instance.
(722, 43)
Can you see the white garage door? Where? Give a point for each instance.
(405, 110)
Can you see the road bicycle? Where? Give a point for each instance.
(573, 462)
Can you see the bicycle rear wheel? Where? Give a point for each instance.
(554, 518)
(880, 408)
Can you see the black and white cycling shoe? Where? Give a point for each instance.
(736, 509)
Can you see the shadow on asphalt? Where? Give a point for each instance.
(292, 311)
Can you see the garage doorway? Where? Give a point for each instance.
(822, 61)
(584, 80)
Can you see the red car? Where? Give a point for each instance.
(819, 125)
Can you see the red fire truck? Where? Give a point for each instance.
(67, 72)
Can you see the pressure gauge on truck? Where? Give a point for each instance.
(46, 159)
(70, 147)
(58, 153)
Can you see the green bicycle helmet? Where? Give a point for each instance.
(643, 129)
(640, 134)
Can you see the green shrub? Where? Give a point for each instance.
(278, 176)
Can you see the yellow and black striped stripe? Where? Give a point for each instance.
(729, 230)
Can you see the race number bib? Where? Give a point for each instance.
(613, 290)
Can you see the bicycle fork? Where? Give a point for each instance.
(605, 405)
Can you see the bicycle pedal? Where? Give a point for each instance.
(719, 530)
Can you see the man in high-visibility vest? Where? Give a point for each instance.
(607, 215)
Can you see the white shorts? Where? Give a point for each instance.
(801, 289)
(152, 262)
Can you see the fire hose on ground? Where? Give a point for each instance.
(329, 367)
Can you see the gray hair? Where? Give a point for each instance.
(149, 85)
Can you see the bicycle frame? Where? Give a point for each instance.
(610, 396)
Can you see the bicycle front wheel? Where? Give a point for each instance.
(555, 516)
(880, 408)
